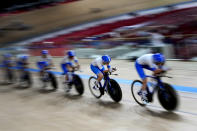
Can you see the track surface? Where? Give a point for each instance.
(33, 109)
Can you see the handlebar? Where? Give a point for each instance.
(162, 74)
(110, 73)
(167, 76)
(76, 69)
(115, 74)
(159, 76)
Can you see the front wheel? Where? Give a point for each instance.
(168, 97)
(135, 88)
(94, 90)
(78, 84)
(114, 90)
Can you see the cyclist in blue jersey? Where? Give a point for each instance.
(97, 67)
(22, 61)
(7, 60)
(69, 64)
(152, 62)
(44, 61)
(7, 64)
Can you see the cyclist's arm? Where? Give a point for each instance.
(165, 68)
(161, 69)
(101, 67)
(157, 71)
(105, 71)
(109, 69)
(77, 63)
(69, 67)
(50, 64)
(26, 63)
(153, 67)
(49, 59)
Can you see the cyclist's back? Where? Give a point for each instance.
(98, 62)
(44, 60)
(22, 61)
(71, 62)
(7, 60)
(147, 60)
(48, 59)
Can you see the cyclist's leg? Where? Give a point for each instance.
(20, 73)
(65, 71)
(142, 75)
(41, 68)
(70, 69)
(96, 71)
(99, 74)
(142, 92)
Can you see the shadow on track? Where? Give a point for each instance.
(109, 104)
(72, 96)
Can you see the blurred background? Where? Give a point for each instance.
(123, 29)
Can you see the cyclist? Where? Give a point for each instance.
(152, 62)
(21, 65)
(44, 62)
(7, 60)
(69, 64)
(22, 61)
(97, 67)
(7, 63)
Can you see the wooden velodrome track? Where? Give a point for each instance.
(33, 109)
(65, 15)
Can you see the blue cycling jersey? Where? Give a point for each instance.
(44, 62)
(21, 64)
(6, 63)
(70, 62)
(97, 66)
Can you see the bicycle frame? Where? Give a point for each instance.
(159, 83)
(106, 81)
(73, 74)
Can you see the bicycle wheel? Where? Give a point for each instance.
(94, 90)
(168, 97)
(115, 91)
(135, 88)
(78, 84)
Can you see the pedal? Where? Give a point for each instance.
(145, 101)
(139, 93)
(94, 87)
